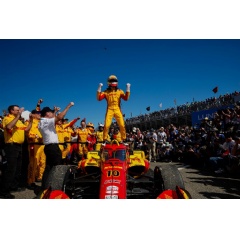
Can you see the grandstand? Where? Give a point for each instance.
(189, 114)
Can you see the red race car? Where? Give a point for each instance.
(115, 172)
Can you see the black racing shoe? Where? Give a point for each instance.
(38, 190)
(31, 186)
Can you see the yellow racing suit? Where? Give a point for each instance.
(64, 132)
(113, 98)
(37, 157)
(60, 133)
(82, 141)
(99, 137)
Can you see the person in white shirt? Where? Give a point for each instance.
(47, 128)
(162, 135)
(151, 143)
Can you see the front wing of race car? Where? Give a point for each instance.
(160, 183)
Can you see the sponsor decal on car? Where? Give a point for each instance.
(113, 167)
(112, 188)
(112, 181)
(112, 192)
(111, 197)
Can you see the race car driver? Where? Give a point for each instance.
(113, 96)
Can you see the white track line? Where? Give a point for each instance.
(184, 167)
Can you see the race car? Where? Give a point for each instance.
(115, 172)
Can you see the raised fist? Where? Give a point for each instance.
(128, 87)
(100, 87)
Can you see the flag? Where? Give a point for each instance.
(215, 90)
(160, 105)
(148, 108)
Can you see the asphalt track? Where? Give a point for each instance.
(201, 184)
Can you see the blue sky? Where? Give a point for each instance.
(159, 71)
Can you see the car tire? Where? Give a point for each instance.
(171, 177)
(58, 176)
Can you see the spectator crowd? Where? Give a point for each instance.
(187, 108)
(213, 145)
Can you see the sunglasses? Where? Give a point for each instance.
(113, 80)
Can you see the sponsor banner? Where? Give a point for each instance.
(197, 117)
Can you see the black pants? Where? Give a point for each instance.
(53, 158)
(12, 172)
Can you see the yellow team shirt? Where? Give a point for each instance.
(118, 136)
(60, 133)
(99, 137)
(64, 132)
(34, 135)
(68, 131)
(82, 134)
(16, 134)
